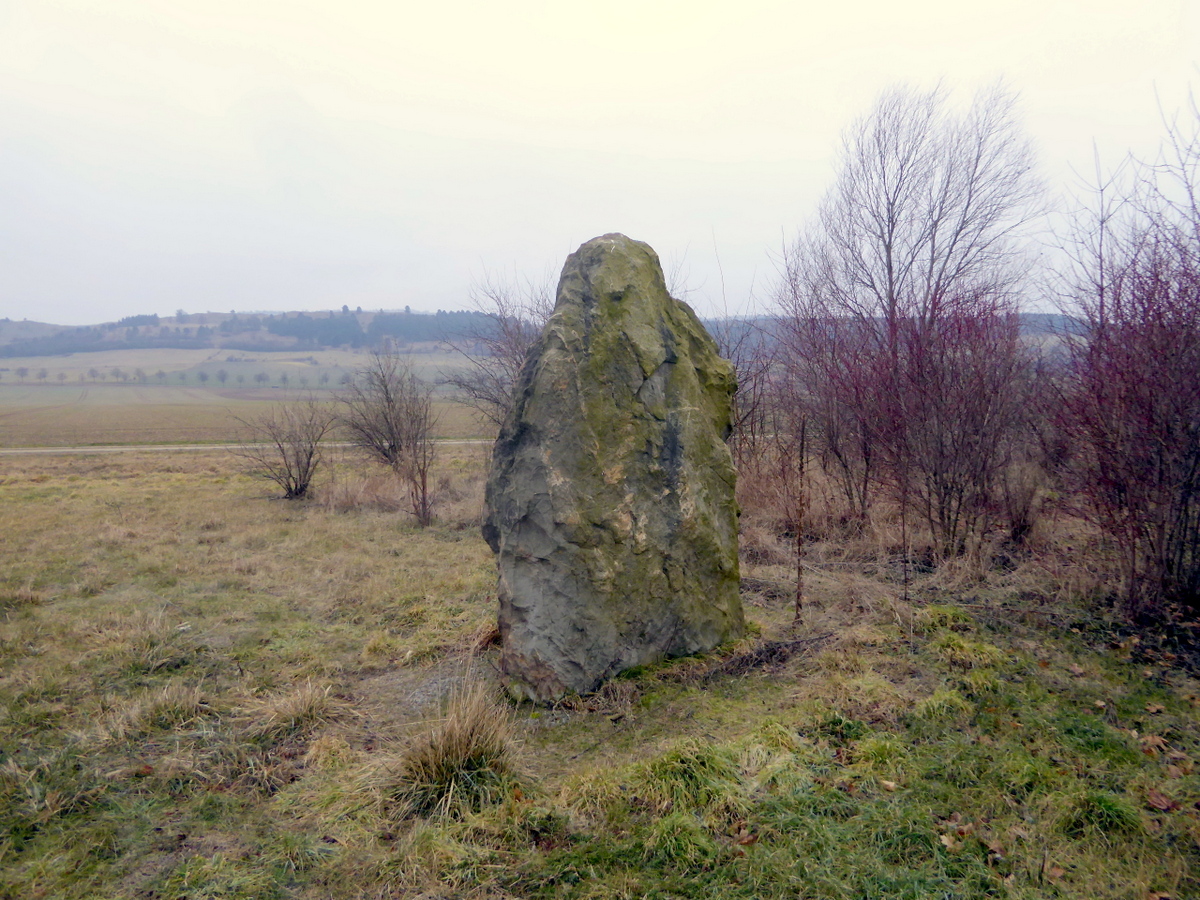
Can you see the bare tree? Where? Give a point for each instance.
(388, 412)
(1131, 398)
(909, 273)
(284, 444)
(515, 312)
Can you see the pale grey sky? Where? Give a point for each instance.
(255, 154)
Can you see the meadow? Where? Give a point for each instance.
(188, 404)
(206, 691)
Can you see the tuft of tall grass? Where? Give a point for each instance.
(966, 653)
(692, 776)
(1096, 813)
(462, 765)
(943, 705)
(287, 713)
(680, 839)
(174, 705)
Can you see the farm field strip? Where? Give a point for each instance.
(148, 416)
(167, 448)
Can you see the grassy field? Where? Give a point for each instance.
(206, 692)
(52, 415)
(160, 397)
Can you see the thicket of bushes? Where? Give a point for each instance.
(898, 369)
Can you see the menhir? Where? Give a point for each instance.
(610, 500)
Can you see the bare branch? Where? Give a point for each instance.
(1130, 399)
(285, 444)
(515, 313)
(900, 307)
(387, 412)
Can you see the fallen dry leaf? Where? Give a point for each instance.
(1184, 764)
(1154, 708)
(1161, 801)
(1152, 744)
(949, 843)
(1075, 669)
(888, 785)
(1100, 704)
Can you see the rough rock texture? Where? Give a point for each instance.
(610, 501)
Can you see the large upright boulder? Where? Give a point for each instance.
(610, 501)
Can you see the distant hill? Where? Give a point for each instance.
(234, 331)
(24, 330)
(255, 332)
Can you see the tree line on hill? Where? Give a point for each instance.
(262, 333)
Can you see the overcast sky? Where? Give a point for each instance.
(261, 155)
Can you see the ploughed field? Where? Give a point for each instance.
(209, 692)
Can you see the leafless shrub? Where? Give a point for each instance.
(1023, 497)
(388, 413)
(515, 313)
(1131, 393)
(900, 327)
(284, 444)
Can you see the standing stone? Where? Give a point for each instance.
(610, 500)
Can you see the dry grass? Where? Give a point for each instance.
(195, 677)
(177, 704)
(463, 764)
(297, 710)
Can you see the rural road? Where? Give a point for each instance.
(167, 448)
